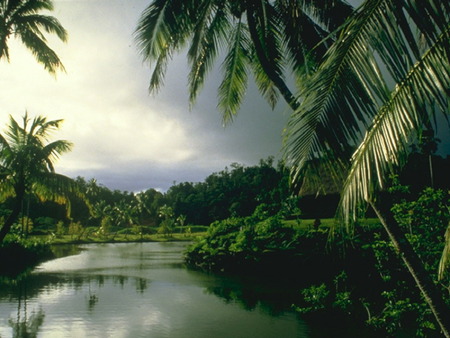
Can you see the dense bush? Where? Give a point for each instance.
(393, 305)
(360, 277)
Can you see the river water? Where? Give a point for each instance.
(140, 290)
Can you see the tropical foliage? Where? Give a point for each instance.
(360, 277)
(383, 82)
(378, 85)
(22, 19)
(26, 165)
(273, 40)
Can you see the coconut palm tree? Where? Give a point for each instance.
(268, 38)
(370, 85)
(22, 19)
(377, 88)
(26, 165)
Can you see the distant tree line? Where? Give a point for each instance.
(233, 192)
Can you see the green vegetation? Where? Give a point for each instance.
(18, 254)
(374, 80)
(22, 19)
(26, 167)
(358, 276)
(371, 79)
(272, 40)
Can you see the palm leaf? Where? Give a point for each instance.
(210, 40)
(265, 31)
(232, 89)
(53, 150)
(265, 85)
(48, 23)
(342, 98)
(43, 54)
(56, 188)
(386, 143)
(162, 29)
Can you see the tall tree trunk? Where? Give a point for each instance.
(20, 193)
(416, 268)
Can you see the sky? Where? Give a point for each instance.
(124, 137)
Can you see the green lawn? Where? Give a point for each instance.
(329, 222)
(197, 231)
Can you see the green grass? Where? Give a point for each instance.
(117, 238)
(329, 222)
(197, 231)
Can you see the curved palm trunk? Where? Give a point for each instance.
(20, 193)
(415, 267)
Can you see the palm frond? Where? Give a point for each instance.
(159, 70)
(209, 43)
(343, 96)
(234, 84)
(24, 7)
(162, 29)
(48, 23)
(41, 51)
(56, 188)
(206, 13)
(54, 150)
(386, 142)
(265, 85)
(307, 28)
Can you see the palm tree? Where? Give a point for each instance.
(26, 165)
(21, 19)
(370, 85)
(377, 89)
(264, 37)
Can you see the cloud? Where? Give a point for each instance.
(124, 137)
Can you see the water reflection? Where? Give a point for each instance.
(24, 325)
(139, 290)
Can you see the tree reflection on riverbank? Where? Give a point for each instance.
(144, 289)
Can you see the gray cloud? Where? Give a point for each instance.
(124, 137)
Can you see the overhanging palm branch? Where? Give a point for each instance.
(336, 105)
(162, 30)
(211, 31)
(342, 99)
(232, 89)
(385, 145)
(349, 95)
(166, 27)
(21, 19)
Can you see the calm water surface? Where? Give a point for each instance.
(139, 290)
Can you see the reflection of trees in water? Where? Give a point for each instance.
(273, 300)
(24, 325)
(121, 280)
(34, 285)
(141, 285)
(27, 327)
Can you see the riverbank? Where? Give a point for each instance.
(358, 276)
(19, 255)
